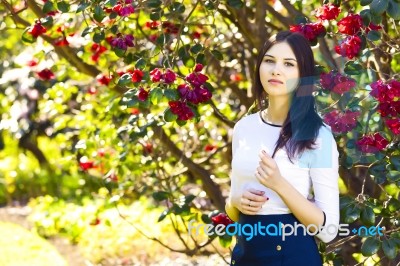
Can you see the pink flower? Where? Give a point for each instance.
(372, 26)
(336, 82)
(143, 95)
(372, 143)
(350, 47)
(123, 42)
(198, 68)
(155, 75)
(104, 80)
(328, 12)
(350, 25)
(181, 109)
(341, 122)
(310, 30)
(169, 76)
(394, 125)
(152, 24)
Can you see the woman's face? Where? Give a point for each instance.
(279, 71)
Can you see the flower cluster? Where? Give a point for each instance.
(167, 77)
(336, 82)
(349, 47)
(341, 122)
(310, 30)
(104, 80)
(327, 12)
(170, 28)
(181, 110)
(372, 143)
(124, 8)
(350, 25)
(122, 42)
(221, 218)
(388, 95)
(97, 50)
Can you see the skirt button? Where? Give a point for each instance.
(278, 247)
(233, 262)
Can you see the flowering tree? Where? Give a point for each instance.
(144, 94)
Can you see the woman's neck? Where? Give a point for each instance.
(277, 111)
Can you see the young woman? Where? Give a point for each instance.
(284, 164)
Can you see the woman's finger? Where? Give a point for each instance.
(253, 197)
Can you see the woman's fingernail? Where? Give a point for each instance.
(262, 192)
(264, 152)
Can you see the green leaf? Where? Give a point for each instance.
(169, 116)
(394, 10)
(48, 7)
(162, 216)
(171, 94)
(374, 35)
(351, 214)
(98, 14)
(376, 19)
(366, 16)
(196, 48)
(394, 175)
(63, 6)
(367, 216)
(189, 61)
(189, 198)
(395, 160)
(132, 102)
(365, 2)
(217, 54)
(370, 246)
(177, 8)
(27, 37)
(155, 16)
(300, 20)
(201, 58)
(154, 3)
(379, 6)
(161, 195)
(225, 240)
(140, 64)
(161, 40)
(82, 6)
(389, 248)
(352, 68)
(156, 95)
(98, 37)
(87, 30)
(235, 3)
(125, 79)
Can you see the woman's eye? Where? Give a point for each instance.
(289, 64)
(268, 61)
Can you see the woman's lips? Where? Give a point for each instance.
(275, 81)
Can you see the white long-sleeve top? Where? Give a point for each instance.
(314, 173)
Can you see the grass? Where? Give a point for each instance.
(19, 247)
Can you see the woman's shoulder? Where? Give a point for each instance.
(246, 120)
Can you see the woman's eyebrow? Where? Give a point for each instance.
(283, 58)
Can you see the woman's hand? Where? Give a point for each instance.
(252, 200)
(268, 173)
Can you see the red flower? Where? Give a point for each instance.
(92, 90)
(372, 26)
(147, 148)
(143, 94)
(137, 75)
(196, 35)
(337, 82)
(236, 77)
(37, 29)
(350, 47)
(394, 125)
(152, 24)
(341, 122)
(181, 109)
(350, 25)
(61, 42)
(389, 108)
(169, 76)
(198, 68)
(170, 27)
(310, 30)
(95, 222)
(328, 12)
(372, 143)
(46, 74)
(155, 75)
(385, 92)
(85, 163)
(104, 80)
(221, 218)
(32, 62)
(210, 147)
(134, 111)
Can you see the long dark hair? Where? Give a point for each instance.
(301, 126)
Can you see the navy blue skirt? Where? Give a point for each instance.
(270, 249)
